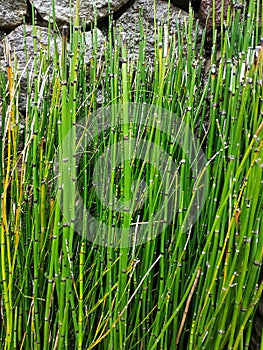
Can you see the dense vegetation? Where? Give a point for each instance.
(191, 278)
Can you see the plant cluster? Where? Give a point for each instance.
(183, 289)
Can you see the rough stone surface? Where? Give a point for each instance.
(17, 45)
(23, 49)
(205, 12)
(101, 40)
(63, 11)
(128, 22)
(11, 13)
(2, 35)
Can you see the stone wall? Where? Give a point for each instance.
(126, 14)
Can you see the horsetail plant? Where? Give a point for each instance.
(107, 154)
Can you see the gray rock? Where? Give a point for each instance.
(128, 23)
(2, 35)
(205, 12)
(20, 42)
(101, 40)
(24, 52)
(63, 11)
(12, 13)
